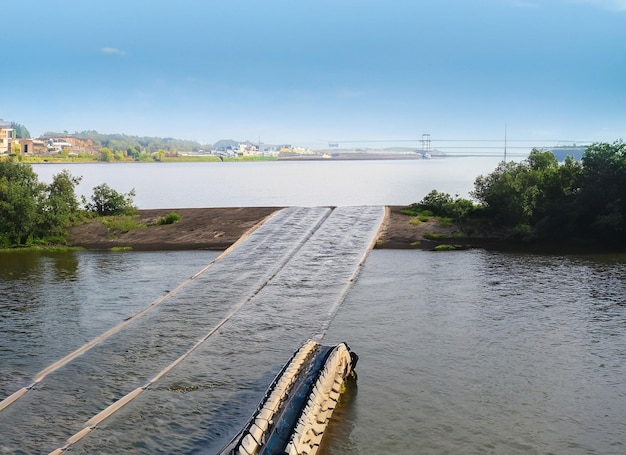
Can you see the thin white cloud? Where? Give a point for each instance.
(112, 51)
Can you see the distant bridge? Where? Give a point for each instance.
(460, 146)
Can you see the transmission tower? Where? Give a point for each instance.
(426, 142)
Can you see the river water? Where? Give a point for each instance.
(279, 183)
(460, 352)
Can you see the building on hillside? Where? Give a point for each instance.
(72, 145)
(57, 145)
(6, 134)
(28, 146)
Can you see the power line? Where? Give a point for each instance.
(462, 140)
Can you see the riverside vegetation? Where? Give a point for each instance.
(33, 213)
(542, 202)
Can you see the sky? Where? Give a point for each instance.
(311, 72)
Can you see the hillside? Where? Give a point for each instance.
(125, 142)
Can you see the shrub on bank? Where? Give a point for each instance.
(171, 218)
(121, 224)
(107, 201)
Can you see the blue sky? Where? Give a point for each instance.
(310, 72)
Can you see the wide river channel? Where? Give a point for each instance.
(467, 352)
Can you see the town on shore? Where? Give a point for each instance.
(86, 146)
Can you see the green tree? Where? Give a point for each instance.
(107, 155)
(159, 155)
(538, 160)
(536, 197)
(31, 210)
(133, 152)
(603, 192)
(143, 157)
(107, 201)
(60, 207)
(500, 193)
(20, 196)
(435, 202)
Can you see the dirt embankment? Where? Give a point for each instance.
(219, 228)
(401, 231)
(201, 228)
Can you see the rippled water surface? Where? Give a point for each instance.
(477, 352)
(463, 352)
(197, 363)
(460, 352)
(53, 303)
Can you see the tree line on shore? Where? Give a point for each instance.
(541, 200)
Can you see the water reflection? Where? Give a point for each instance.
(65, 266)
(20, 265)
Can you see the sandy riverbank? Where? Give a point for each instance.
(218, 228)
